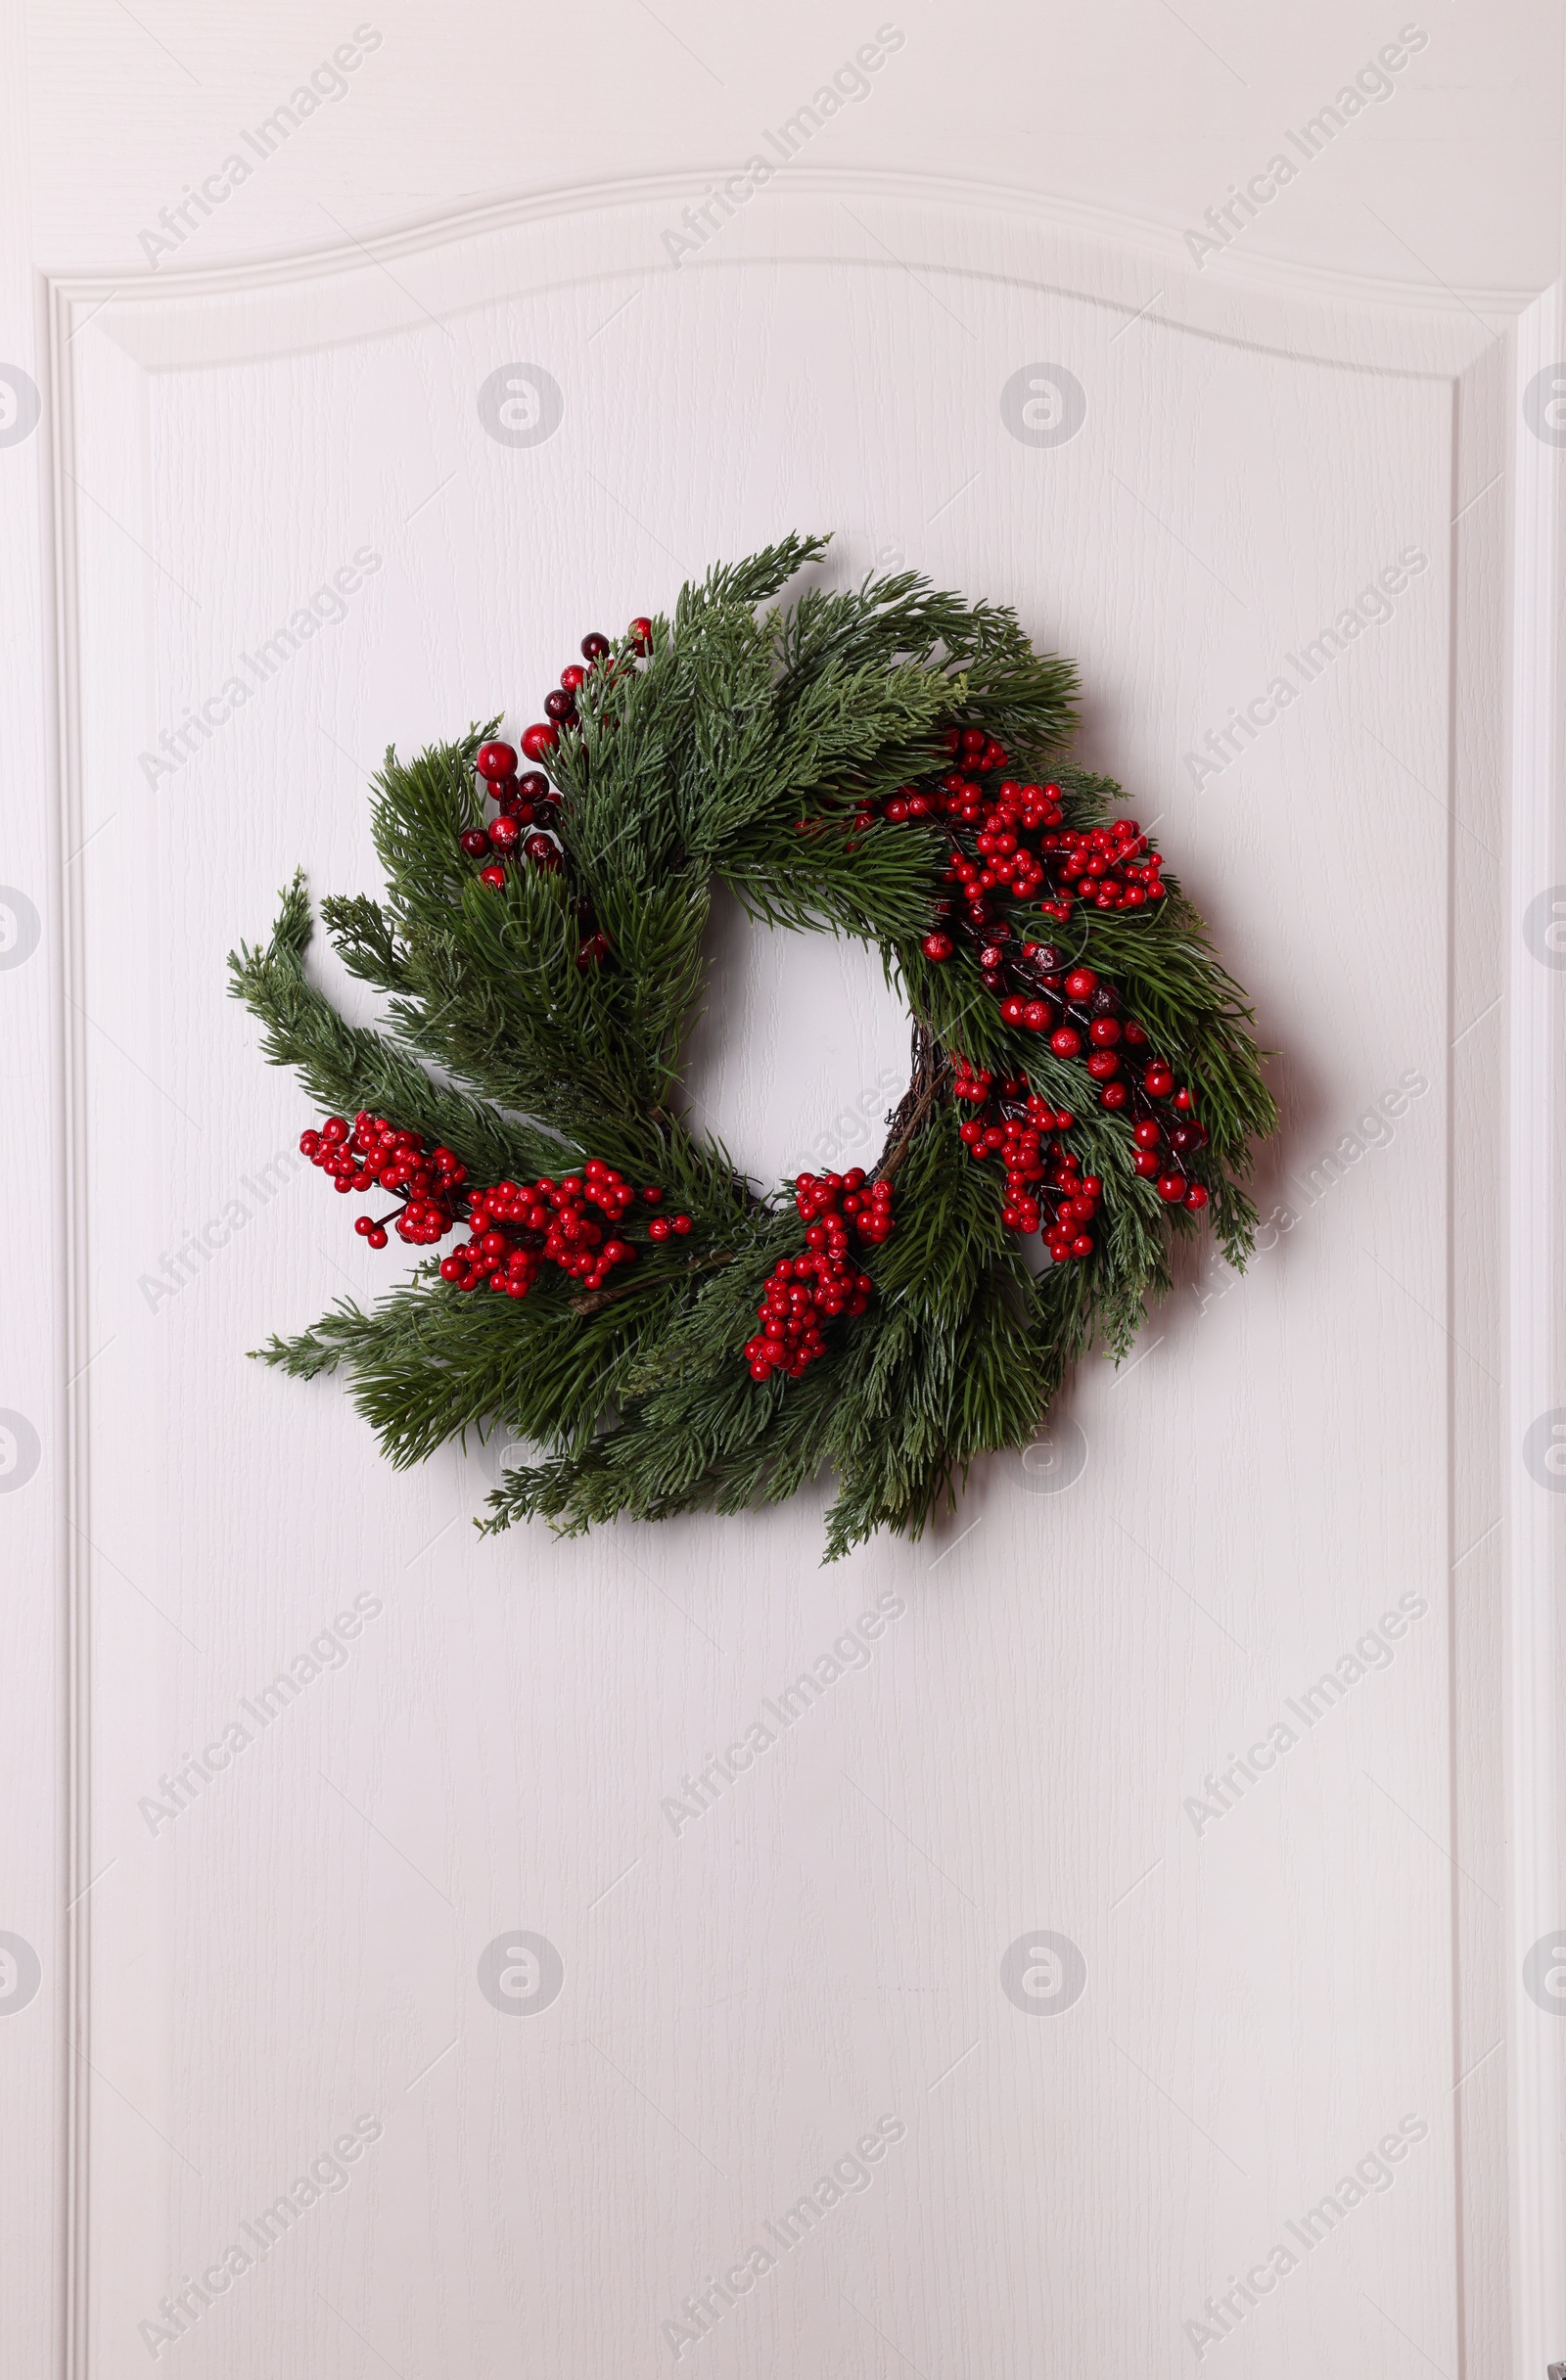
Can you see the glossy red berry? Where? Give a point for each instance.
(1196, 1196)
(594, 646)
(1158, 1081)
(937, 947)
(539, 739)
(495, 760)
(1172, 1188)
(505, 834)
(642, 633)
(1080, 983)
(559, 706)
(476, 842)
(1065, 1042)
(540, 849)
(495, 877)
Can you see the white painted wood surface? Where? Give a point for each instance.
(1291, 1457)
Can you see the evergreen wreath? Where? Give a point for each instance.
(887, 764)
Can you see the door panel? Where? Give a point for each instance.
(1127, 1999)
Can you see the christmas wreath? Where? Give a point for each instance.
(887, 764)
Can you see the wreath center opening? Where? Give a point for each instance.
(801, 1052)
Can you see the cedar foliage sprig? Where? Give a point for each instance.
(741, 751)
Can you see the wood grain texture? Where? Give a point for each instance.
(1266, 1998)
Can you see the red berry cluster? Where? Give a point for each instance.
(524, 801)
(1046, 1188)
(1102, 865)
(1167, 1137)
(803, 1292)
(1166, 1150)
(530, 801)
(1009, 842)
(372, 1154)
(518, 1228)
(1105, 867)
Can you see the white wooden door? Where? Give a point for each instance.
(1129, 1954)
